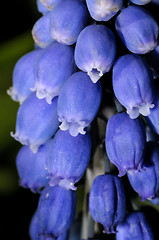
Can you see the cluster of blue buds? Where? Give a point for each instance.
(83, 51)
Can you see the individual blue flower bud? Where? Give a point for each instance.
(23, 76)
(36, 122)
(78, 103)
(68, 158)
(134, 226)
(32, 167)
(34, 230)
(107, 202)
(146, 182)
(55, 212)
(140, 2)
(103, 10)
(153, 117)
(125, 142)
(67, 20)
(50, 4)
(95, 51)
(41, 32)
(133, 85)
(137, 29)
(41, 8)
(54, 66)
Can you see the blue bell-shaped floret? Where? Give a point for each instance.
(146, 181)
(137, 29)
(41, 31)
(55, 212)
(103, 10)
(36, 122)
(133, 85)
(41, 8)
(54, 66)
(67, 20)
(50, 4)
(107, 202)
(32, 168)
(34, 230)
(78, 103)
(68, 158)
(95, 51)
(134, 226)
(140, 2)
(125, 142)
(153, 117)
(23, 76)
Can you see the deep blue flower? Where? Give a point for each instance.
(95, 50)
(67, 20)
(134, 226)
(103, 10)
(36, 122)
(107, 202)
(55, 212)
(137, 29)
(54, 66)
(32, 167)
(125, 142)
(41, 8)
(133, 85)
(78, 103)
(23, 76)
(68, 158)
(146, 182)
(41, 31)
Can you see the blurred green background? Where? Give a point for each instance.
(17, 205)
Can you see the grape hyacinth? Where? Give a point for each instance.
(89, 119)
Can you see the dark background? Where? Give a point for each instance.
(17, 205)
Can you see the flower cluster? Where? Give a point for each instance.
(59, 86)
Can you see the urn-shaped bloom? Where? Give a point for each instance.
(137, 29)
(107, 202)
(78, 103)
(32, 168)
(23, 76)
(125, 142)
(146, 181)
(135, 226)
(36, 122)
(68, 158)
(55, 212)
(67, 20)
(41, 8)
(41, 31)
(103, 10)
(133, 85)
(54, 66)
(95, 51)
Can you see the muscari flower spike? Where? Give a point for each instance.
(134, 226)
(137, 29)
(23, 76)
(95, 51)
(146, 182)
(36, 122)
(107, 202)
(133, 85)
(67, 20)
(103, 10)
(52, 219)
(32, 167)
(78, 103)
(125, 142)
(41, 31)
(140, 2)
(54, 66)
(68, 158)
